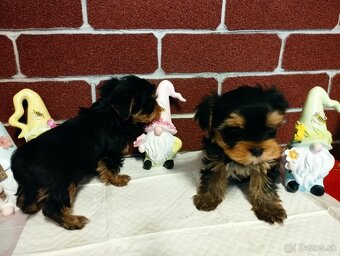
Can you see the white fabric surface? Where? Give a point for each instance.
(154, 215)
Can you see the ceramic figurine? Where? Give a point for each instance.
(159, 143)
(38, 118)
(307, 159)
(8, 186)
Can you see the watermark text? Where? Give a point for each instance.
(309, 248)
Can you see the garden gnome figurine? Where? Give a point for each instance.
(308, 160)
(38, 118)
(8, 186)
(159, 143)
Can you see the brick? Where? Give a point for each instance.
(85, 54)
(193, 90)
(62, 99)
(335, 91)
(220, 52)
(190, 134)
(312, 52)
(333, 123)
(278, 14)
(154, 14)
(286, 131)
(17, 14)
(7, 63)
(294, 87)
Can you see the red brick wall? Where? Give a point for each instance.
(64, 49)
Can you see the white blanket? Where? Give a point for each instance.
(154, 216)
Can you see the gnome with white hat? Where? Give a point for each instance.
(308, 160)
(159, 143)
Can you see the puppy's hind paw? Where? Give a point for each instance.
(205, 202)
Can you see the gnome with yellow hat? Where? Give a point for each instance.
(38, 118)
(308, 159)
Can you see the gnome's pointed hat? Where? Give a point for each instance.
(311, 127)
(164, 90)
(38, 118)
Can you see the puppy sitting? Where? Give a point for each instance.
(241, 143)
(49, 167)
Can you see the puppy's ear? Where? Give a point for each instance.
(114, 94)
(123, 106)
(108, 87)
(205, 112)
(106, 94)
(277, 99)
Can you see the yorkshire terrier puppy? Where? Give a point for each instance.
(49, 168)
(241, 126)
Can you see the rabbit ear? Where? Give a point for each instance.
(205, 112)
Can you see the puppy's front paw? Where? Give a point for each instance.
(72, 222)
(271, 214)
(120, 180)
(206, 202)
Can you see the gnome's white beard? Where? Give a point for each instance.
(311, 167)
(158, 148)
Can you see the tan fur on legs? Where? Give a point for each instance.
(212, 191)
(39, 203)
(72, 190)
(72, 221)
(107, 177)
(20, 198)
(264, 199)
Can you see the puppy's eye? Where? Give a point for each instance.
(271, 133)
(232, 133)
(234, 130)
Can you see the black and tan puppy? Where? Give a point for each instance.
(241, 144)
(49, 167)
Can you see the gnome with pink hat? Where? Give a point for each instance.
(308, 160)
(159, 143)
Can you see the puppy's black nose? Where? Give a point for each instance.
(255, 151)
